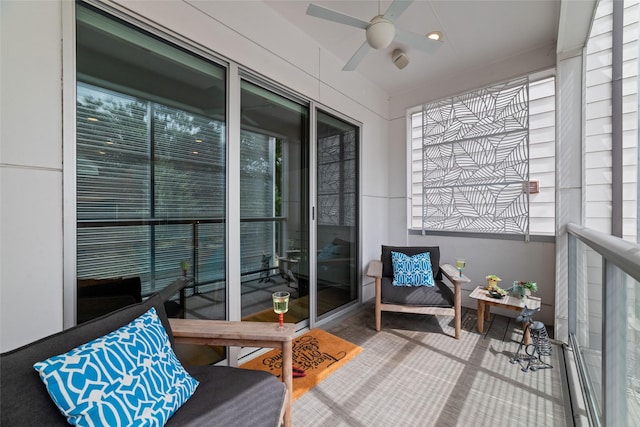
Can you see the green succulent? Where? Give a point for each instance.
(532, 286)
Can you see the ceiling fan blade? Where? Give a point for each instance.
(332, 15)
(417, 41)
(357, 57)
(396, 9)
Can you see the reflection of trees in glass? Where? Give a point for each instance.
(117, 165)
(257, 197)
(189, 165)
(263, 166)
(337, 177)
(112, 153)
(257, 175)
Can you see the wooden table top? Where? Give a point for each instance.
(509, 301)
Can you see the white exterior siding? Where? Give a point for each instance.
(597, 148)
(598, 144)
(542, 155)
(598, 110)
(630, 120)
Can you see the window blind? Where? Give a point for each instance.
(257, 200)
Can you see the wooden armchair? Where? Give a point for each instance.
(238, 334)
(436, 300)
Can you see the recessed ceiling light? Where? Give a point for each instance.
(92, 119)
(109, 142)
(434, 35)
(102, 153)
(198, 140)
(195, 152)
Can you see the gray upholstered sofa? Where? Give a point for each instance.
(225, 396)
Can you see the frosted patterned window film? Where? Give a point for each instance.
(475, 161)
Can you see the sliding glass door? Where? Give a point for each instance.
(151, 171)
(274, 200)
(151, 168)
(337, 212)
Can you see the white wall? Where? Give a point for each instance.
(31, 150)
(30, 172)
(508, 259)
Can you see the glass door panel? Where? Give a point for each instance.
(151, 171)
(274, 199)
(337, 216)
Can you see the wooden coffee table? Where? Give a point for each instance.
(485, 301)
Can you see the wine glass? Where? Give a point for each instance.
(280, 306)
(461, 263)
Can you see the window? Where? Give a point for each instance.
(483, 162)
(151, 178)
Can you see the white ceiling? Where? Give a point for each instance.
(476, 33)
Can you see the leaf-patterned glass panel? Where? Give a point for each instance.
(476, 161)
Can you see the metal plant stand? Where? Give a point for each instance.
(540, 344)
(265, 269)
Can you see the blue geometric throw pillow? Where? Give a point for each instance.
(130, 376)
(412, 270)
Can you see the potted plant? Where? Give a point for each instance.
(492, 281)
(522, 288)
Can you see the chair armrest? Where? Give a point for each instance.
(239, 334)
(222, 332)
(453, 274)
(454, 277)
(375, 269)
(173, 288)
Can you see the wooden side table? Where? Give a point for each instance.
(485, 301)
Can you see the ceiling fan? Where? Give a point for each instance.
(380, 31)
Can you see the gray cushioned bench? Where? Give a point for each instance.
(225, 396)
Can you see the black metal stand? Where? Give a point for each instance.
(540, 344)
(265, 273)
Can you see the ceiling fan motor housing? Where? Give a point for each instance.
(380, 32)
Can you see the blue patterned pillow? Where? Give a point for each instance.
(130, 376)
(412, 271)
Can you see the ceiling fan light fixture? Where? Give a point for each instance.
(380, 33)
(435, 35)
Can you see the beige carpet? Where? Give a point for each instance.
(414, 373)
(317, 352)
